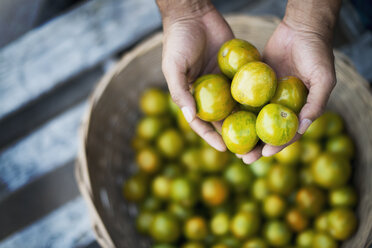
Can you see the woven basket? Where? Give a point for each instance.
(106, 159)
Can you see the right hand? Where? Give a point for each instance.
(190, 46)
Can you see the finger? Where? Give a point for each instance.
(253, 155)
(179, 89)
(218, 125)
(317, 99)
(269, 150)
(207, 132)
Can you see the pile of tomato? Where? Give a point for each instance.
(189, 195)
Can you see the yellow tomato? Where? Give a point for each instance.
(342, 223)
(214, 191)
(213, 97)
(154, 102)
(296, 220)
(291, 92)
(245, 225)
(254, 84)
(195, 228)
(330, 170)
(239, 132)
(276, 125)
(290, 155)
(235, 53)
(310, 200)
(281, 179)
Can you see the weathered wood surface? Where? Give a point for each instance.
(50, 146)
(76, 41)
(40, 71)
(21, 123)
(67, 226)
(42, 196)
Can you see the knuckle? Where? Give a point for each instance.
(176, 97)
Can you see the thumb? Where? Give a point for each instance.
(317, 99)
(179, 89)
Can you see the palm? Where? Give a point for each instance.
(190, 50)
(193, 44)
(299, 54)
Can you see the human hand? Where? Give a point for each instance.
(191, 42)
(309, 56)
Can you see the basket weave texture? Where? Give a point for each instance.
(106, 159)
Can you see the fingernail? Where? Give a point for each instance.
(187, 113)
(219, 147)
(238, 155)
(249, 159)
(267, 152)
(304, 125)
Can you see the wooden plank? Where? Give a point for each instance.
(51, 146)
(16, 17)
(94, 244)
(67, 226)
(19, 124)
(38, 199)
(69, 44)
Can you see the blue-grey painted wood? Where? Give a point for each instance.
(52, 145)
(37, 199)
(75, 41)
(17, 125)
(67, 226)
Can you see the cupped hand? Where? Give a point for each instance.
(308, 55)
(190, 46)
